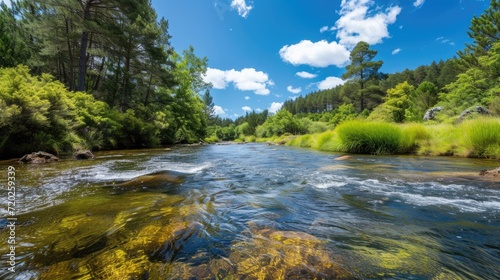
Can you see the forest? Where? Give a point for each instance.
(103, 75)
(98, 75)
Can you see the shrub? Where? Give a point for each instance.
(369, 137)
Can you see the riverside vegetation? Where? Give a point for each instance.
(114, 81)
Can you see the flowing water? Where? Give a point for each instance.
(252, 212)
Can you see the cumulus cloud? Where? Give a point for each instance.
(294, 90)
(275, 107)
(248, 79)
(246, 109)
(318, 54)
(247, 97)
(396, 51)
(219, 111)
(330, 82)
(357, 23)
(242, 7)
(306, 75)
(418, 3)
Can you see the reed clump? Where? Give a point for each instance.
(362, 137)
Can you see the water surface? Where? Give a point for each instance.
(254, 212)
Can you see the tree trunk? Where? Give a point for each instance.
(82, 66)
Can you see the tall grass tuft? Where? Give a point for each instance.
(326, 141)
(369, 137)
(481, 137)
(412, 136)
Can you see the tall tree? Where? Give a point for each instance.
(209, 106)
(13, 47)
(362, 67)
(484, 31)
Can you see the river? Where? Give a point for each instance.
(251, 212)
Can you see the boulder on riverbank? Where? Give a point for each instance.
(83, 154)
(38, 157)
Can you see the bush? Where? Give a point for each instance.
(482, 137)
(36, 114)
(369, 137)
(212, 139)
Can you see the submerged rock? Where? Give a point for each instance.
(38, 157)
(273, 254)
(156, 179)
(343, 157)
(493, 174)
(83, 154)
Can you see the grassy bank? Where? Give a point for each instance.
(473, 138)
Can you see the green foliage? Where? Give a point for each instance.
(13, 47)
(38, 113)
(398, 100)
(362, 68)
(343, 113)
(279, 124)
(369, 137)
(482, 137)
(479, 85)
(484, 32)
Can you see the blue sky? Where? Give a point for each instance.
(263, 52)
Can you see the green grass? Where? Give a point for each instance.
(326, 141)
(481, 137)
(412, 135)
(473, 138)
(361, 137)
(303, 141)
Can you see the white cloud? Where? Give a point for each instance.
(275, 107)
(330, 82)
(258, 110)
(418, 3)
(396, 51)
(357, 23)
(216, 77)
(247, 97)
(324, 29)
(306, 75)
(219, 111)
(444, 40)
(246, 109)
(294, 90)
(242, 7)
(248, 79)
(319, 54)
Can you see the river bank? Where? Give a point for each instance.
(479, 138)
